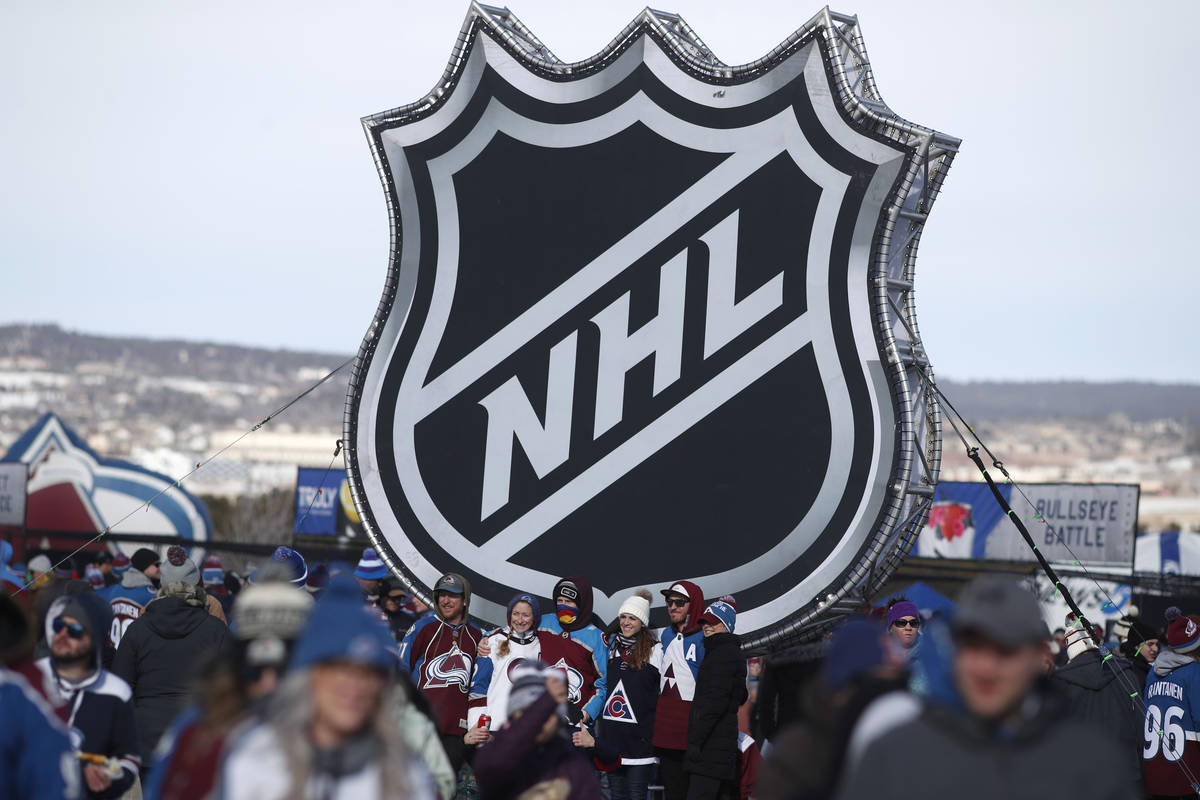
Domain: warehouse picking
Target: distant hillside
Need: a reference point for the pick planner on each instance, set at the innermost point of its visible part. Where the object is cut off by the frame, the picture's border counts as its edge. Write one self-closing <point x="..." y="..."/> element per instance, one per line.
<point x="249" y="381"/>
<point x="996" y="401"/>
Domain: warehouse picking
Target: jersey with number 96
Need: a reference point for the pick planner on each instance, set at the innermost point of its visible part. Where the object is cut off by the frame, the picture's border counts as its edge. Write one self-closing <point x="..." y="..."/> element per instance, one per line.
<point x="1171" y="732"/>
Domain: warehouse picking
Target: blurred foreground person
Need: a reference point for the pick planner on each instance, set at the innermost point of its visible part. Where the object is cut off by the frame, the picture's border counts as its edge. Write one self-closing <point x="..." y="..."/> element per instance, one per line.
<point x="331" y="729"/>
<point x="36" y="754"/>
<point x="98" y="703"/>
<point x="806" y="758"/>
<point x="1171" y="752"/>
<point x="530" y="756"/>
<point x="163" y="648"/>
<point x="1014" y="739"/>
<point x="267" y="618"/>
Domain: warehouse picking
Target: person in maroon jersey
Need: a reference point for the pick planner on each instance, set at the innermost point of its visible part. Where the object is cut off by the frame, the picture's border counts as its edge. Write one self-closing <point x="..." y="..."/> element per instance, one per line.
<point x="439" y="653"/>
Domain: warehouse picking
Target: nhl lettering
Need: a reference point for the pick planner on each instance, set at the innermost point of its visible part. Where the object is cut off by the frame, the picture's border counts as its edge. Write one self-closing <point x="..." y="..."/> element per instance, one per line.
<point x="511" y="415"/>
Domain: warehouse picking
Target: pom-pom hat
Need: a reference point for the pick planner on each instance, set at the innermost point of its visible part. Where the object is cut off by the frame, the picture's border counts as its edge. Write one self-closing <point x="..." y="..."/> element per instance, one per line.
<point x="637" y="605"/>
<point x="720" y="612"/>
<point x="1183" y="631"/>
<point x="178" y="568"/>
<point x="371" y="567"/>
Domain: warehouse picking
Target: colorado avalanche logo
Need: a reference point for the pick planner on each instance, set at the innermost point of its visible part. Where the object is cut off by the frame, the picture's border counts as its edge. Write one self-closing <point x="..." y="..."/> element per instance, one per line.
<point x="448" y="669"/>
<point x="618" y="708"/>
<point x="574" y="680"/>
<point x="515" y="664"/>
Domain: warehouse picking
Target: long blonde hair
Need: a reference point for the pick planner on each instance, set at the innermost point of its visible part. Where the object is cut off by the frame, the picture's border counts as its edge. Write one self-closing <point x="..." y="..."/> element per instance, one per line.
<point x="290" y="714"/>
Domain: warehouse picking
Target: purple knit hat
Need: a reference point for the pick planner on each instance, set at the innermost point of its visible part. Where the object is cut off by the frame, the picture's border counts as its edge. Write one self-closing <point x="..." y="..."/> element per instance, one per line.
<point x="905" y="608"/>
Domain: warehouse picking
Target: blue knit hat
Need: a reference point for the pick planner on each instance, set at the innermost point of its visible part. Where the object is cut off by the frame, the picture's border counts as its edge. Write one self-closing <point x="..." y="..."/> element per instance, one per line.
<point x="293" y="561"/>
<point x="720" y="611"/>
<point x="533" y="603"/>
<point x="371" y="566"/>
<point x="340" y="628"/>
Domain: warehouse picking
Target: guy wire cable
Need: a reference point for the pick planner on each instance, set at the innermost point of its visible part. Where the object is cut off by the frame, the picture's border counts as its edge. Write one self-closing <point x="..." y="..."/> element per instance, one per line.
<point x="202" y="463"/>
<point x="337" y="449"/>
<point x="1107" y="655"/>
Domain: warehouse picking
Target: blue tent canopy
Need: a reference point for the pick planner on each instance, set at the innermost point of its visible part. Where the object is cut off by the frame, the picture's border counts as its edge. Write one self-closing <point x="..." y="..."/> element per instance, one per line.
<point x="926" y="597"/>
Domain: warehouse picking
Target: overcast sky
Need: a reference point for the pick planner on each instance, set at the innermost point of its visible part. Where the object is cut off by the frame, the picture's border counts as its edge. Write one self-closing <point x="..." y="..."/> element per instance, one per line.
<point x="198" y="170"/>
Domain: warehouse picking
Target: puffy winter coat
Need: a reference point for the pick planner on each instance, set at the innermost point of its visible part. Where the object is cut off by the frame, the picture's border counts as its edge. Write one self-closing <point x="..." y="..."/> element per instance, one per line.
<point x="944" y="753"/>
<point x="1098" y="694"/>
<point x="712" y="724"/>
<point x="159" y="655"/>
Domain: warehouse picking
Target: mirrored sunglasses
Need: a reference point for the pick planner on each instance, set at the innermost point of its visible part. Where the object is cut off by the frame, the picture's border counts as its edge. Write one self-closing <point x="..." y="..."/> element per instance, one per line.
<point x="73" y="629"/>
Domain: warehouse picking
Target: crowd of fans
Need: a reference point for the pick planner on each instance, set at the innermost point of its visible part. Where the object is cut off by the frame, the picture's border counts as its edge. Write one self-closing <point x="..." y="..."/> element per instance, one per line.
<point x="163" y="678"/>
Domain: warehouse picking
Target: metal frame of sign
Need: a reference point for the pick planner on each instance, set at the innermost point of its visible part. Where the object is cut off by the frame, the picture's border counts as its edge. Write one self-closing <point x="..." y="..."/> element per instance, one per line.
<point x="893" y="253"/>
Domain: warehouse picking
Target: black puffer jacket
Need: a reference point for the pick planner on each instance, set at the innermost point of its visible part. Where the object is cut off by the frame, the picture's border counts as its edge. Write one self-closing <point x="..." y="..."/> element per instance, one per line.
<point x="159" y="656"/>
<point x="712" y="724"/>
<point x="1098" y="693"/>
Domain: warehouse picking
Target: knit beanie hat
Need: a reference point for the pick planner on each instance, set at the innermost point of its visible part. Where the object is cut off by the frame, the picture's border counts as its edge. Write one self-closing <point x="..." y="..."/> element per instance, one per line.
<point x="1078" y="638"/>
<point x="177" y="568"/>
<point x="528" y="684"/>
<point x="720" y="612"/>
<point x="637" y="605"/>
<point x="294" y="562"/>
<point x="267" y="618"/>
<point x="120" y="564"/>
<point x="371" y="567"/>
<point x="144" y="557"/>
<point x="94" y="576"/>
<point x="904" y="608"/>
<point x="212" y="574"/>
<point x="1183" y="632"/>
<point x="533" y="604"/>
<point x="339" y="628"/>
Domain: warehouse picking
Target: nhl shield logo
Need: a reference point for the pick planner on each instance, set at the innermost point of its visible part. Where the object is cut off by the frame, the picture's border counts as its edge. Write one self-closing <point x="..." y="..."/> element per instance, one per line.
<point x="628" y="326"/>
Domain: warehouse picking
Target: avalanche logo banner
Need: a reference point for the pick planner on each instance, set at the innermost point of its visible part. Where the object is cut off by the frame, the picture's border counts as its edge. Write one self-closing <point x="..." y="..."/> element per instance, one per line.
<point x="628" y="311"/>
<point x="73" y="490"/>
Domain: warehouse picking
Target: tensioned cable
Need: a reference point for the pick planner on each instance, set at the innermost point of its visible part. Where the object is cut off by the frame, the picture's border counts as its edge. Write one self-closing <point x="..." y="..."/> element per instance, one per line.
<point x="199" y="464"/>
<point x="1135" y="695"/>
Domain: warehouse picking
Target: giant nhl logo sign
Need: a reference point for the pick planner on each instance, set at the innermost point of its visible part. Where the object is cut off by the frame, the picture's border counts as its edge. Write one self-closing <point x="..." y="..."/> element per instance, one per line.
<point x="647" y="318"/>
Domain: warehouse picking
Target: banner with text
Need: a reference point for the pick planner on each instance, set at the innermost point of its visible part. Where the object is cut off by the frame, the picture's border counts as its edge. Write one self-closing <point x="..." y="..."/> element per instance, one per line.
<point x="317" y="497"/>
<point x="1093" y="523"/>
<point x="12" y="494"/>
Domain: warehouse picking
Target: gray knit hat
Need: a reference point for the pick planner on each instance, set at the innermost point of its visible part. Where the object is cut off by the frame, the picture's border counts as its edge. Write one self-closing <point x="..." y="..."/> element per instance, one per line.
<point x="178" y="568"/>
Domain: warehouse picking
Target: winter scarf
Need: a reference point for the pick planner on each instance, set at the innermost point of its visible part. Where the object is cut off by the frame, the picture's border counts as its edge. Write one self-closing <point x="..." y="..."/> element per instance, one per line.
<point x="192" y="595"/>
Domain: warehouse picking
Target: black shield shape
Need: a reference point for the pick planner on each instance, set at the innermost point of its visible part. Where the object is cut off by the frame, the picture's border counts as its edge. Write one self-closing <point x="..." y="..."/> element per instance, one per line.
<point x="629" y="330"/>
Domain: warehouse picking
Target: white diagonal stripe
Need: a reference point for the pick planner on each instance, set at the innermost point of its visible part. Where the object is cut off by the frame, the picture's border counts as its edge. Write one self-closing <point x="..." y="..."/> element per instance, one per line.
<point x="587" y="281"/>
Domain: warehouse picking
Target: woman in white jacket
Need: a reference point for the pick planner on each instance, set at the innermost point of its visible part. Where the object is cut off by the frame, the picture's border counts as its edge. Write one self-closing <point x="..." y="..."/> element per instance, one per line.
<point x="498" y="653"/>
<point x="331" y="730"/>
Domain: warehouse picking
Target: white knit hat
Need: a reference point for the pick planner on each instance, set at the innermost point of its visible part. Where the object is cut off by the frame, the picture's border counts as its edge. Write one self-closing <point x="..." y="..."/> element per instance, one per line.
<point x="637" y="605"/>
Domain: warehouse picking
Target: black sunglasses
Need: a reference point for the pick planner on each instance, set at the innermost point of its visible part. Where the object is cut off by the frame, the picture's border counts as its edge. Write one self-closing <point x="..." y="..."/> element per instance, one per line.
<point x="74" y="629"/>
<point x="907" y="623"/>
<point x="675" y="602"/>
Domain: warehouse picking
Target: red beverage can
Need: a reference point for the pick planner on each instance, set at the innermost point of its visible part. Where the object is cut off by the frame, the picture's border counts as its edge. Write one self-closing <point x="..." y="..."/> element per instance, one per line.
<point x="485" y="723"/>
